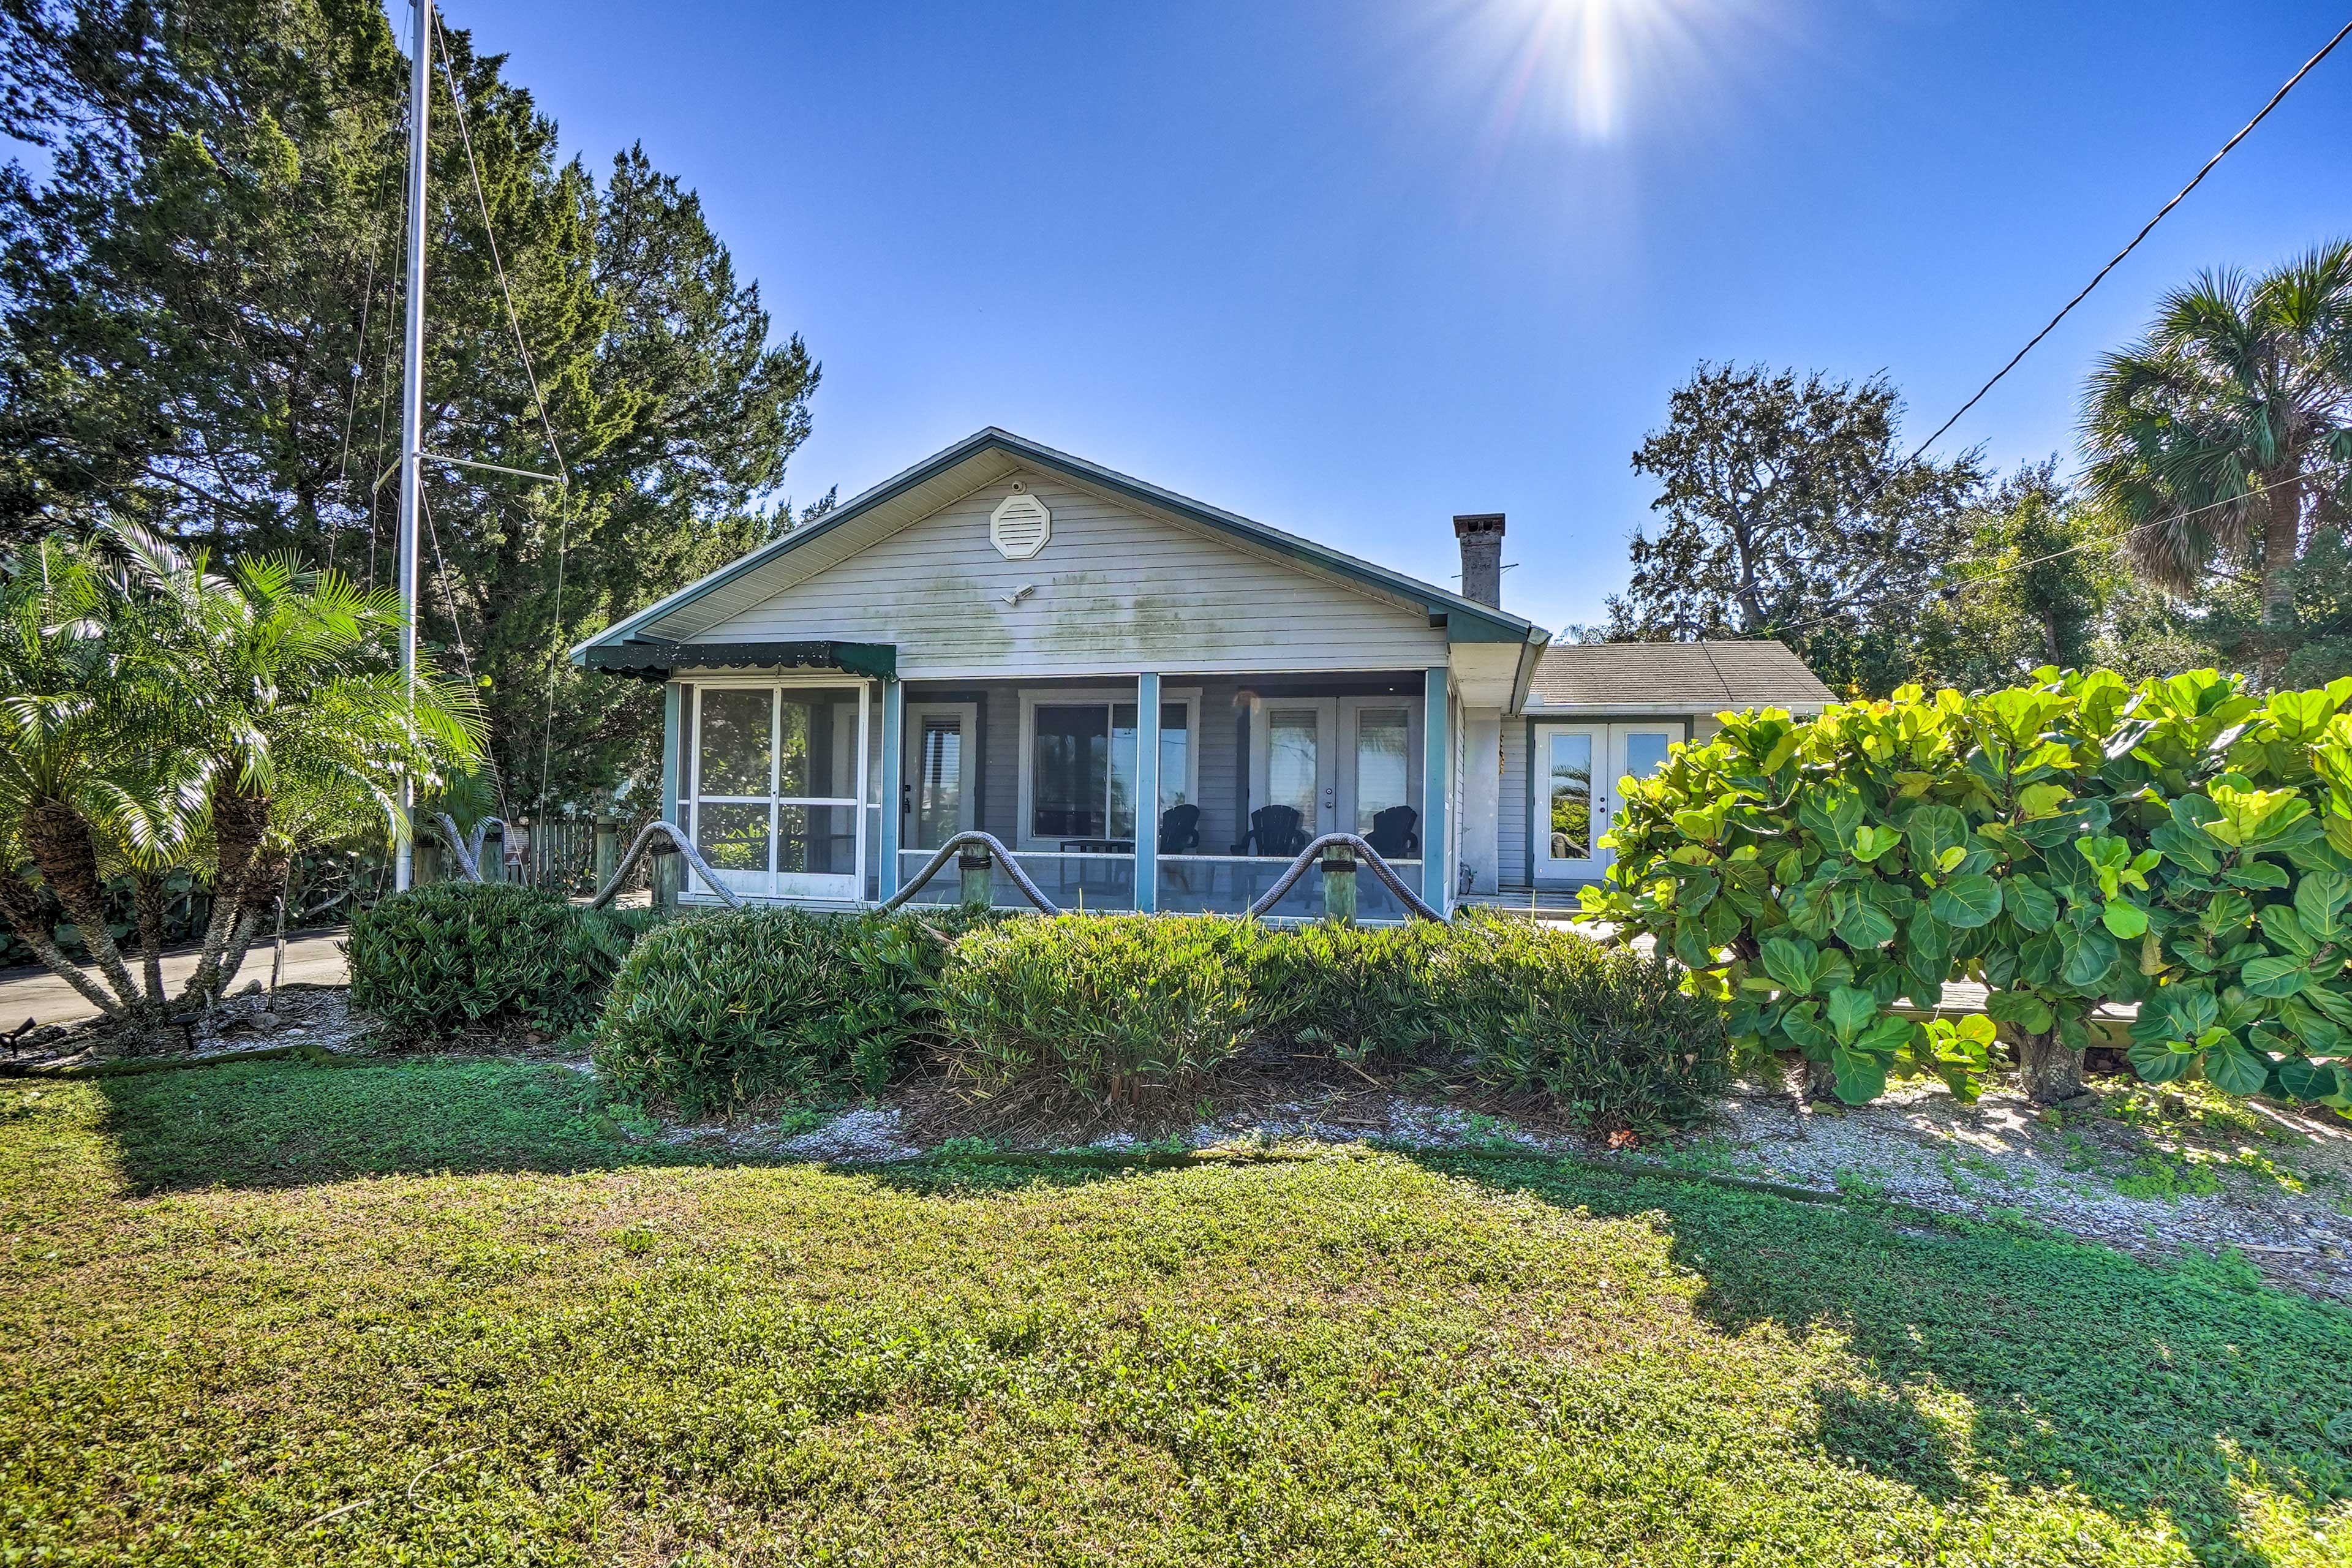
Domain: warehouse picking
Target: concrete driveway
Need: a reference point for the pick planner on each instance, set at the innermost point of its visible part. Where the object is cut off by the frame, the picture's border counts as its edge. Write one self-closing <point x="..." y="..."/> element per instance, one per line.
<point x="37" y="995"/>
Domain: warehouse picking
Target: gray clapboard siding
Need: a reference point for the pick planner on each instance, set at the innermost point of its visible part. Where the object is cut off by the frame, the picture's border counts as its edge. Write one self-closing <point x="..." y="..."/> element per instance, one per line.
<point x="1112" y="592"/>
<point x="1511" y="826"/>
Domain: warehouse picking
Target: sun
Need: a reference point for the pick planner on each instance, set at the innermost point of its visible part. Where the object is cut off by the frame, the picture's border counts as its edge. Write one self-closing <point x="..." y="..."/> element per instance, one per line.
<point x="1588" y="67"/>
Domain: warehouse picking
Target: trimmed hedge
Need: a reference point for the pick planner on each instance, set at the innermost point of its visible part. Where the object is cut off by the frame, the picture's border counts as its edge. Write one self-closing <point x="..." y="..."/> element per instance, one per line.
<point x="1132" y="1007"/>
<point x="765" y="1002"/>
<point x="462" y="957"/>
<point x="1611" y="1034"/>
<point x="1116" y="1007"/>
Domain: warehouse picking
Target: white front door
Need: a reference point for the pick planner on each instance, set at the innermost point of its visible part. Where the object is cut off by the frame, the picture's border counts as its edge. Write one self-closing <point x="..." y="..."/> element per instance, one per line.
<point x="1574" y="772"/>
<point x="1295" y="761"/>
<point x="942" y="772"/>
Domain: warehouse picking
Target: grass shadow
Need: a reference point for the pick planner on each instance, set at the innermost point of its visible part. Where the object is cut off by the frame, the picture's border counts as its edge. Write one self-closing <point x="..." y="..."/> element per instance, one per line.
<point x="1996" y="1357"/>
<point x="276" y="1124"/>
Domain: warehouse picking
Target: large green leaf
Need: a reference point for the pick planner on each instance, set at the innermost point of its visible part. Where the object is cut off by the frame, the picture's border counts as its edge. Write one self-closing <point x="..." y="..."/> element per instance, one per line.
<point x="1966" y="902"/>
<point x="1861" y="1075"/>
<point x="2233" y="1070"/>
<point x="2158" y="1063"/>
<point x="2186" y="846"/>
<point x="2124" y="918"/>
<point x="2276" y="975"/>
<point x="2020" y="1009"/>
<point x="1860" y="922"/>
<point x="2319" y="901"/>
<point x="1803" y="1025"/>
<point x="2088" y="953"/>
<point x="2306" y="1079"/>
<point x="2029" y="904"/>
<point x="1932" y="829"/>
<point x="1848" y="1010"/>
<point x="2284" y="928"/>
<point x="1794" y="962"/>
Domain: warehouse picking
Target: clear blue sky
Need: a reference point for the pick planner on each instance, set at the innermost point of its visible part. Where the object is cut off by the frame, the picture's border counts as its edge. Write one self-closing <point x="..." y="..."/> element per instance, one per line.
<point x="1351" y="266"/>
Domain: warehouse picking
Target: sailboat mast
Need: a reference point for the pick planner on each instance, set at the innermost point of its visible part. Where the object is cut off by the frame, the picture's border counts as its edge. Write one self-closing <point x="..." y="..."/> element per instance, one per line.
<point x="412" y="402"/>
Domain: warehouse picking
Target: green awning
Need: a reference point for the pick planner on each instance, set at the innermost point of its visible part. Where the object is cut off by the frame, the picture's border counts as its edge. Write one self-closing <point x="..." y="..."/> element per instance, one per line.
<point x="647" y="658"/>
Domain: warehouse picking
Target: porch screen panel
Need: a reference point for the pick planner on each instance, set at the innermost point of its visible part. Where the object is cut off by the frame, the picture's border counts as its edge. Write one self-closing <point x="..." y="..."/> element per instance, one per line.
<point x="776" y="785"/>
<point x="733" y="838"/>
<point x="1571" y="787"/>
<point x="734" y="764"/>
<point x="1383" y="741"/>
<point x="816" y="782"/>
<point x="1122" y="769"/>
<point x="737" y="731"/>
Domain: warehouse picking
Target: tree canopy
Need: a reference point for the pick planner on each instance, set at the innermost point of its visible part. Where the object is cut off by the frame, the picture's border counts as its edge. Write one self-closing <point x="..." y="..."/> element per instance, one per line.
<point x="199" y="314"/>
<point x="1790" y="510"/>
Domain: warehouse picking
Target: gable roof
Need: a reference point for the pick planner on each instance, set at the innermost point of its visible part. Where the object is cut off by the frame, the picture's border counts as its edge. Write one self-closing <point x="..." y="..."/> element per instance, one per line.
<point x="1700" y="676"/>
<point x="979" y="459"/>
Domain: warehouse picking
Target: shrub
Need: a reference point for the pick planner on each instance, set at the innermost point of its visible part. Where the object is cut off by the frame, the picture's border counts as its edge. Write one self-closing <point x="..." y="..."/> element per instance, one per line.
<point x="765" y="1002"/>
<point x="1117" y="1007"/>
<point x="1363" y="992"/>
<point x="468" y="955"/>
<point x="1125" y="1008"/>
<point x="1613" y="1037"/>
<point x="2179" y="844"/>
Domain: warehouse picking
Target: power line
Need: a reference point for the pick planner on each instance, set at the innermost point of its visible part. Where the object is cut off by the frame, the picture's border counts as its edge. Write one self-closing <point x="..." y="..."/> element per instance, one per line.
<point x="2145" y="229"/>
<point x="1953" y="590"/>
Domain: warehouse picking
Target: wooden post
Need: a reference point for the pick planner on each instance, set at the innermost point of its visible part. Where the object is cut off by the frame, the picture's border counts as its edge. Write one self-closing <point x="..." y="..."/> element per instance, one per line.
<point x="608" y="845"/>
<point x="978" y="869"/>
<point x="1340" y="885"/>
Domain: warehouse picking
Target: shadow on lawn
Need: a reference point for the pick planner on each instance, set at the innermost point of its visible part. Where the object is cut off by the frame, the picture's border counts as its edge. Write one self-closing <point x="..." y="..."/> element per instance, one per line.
<point x="274" y="1124"/>
<point x="2146" y="1389"/>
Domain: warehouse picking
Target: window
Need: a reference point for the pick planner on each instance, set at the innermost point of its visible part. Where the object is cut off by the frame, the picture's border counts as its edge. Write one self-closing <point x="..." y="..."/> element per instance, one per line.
<point x="1082" y="768"/>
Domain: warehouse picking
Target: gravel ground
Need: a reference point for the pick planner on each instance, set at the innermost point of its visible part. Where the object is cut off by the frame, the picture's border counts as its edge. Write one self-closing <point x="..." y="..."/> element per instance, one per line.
<point x="2148" y="1171"/>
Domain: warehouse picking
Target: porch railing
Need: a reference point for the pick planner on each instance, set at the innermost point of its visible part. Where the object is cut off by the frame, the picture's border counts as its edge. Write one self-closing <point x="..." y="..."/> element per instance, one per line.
<point x="1299" y="888"/>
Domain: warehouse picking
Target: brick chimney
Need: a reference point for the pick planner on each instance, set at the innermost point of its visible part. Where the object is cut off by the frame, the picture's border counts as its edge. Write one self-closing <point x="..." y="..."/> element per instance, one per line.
<point x="1480" y="534"/>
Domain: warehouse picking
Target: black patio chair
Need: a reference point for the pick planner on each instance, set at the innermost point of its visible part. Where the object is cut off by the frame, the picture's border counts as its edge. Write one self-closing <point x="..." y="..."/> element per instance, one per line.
<point x="1275" y="830"/>
<point x="1396" y="833"/>
<point x="1180" y="829"/>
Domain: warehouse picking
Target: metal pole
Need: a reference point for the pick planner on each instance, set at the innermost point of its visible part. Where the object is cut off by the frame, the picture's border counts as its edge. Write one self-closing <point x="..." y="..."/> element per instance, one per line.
<point x="412" y="401"/>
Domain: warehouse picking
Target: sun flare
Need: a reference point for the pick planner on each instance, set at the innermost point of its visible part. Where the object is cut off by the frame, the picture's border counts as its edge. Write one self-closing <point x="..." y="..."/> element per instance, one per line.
<point x="1587" y="69"/>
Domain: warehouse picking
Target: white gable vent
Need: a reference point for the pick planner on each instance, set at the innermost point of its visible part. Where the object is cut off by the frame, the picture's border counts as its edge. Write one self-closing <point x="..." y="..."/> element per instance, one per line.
<point x="1020" y="526"/>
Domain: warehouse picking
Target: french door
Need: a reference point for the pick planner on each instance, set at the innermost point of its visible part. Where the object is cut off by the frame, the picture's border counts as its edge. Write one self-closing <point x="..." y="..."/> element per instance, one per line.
<point x="778" y="788"/>
<point x="1295" y="760"/>
<point x="1573" y="774"/>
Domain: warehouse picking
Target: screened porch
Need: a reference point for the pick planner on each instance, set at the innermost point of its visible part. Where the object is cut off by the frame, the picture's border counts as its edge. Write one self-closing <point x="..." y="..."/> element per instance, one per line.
<point x="782" y="781"/>
<point x="1247" y="773"/>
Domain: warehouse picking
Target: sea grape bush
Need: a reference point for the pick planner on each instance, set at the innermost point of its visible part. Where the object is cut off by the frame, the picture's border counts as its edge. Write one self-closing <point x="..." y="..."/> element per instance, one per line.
<point x="2181" y="844"/>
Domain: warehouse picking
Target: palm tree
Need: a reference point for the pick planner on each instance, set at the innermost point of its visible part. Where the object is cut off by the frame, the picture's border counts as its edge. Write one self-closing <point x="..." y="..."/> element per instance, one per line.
<point x="70" y="714"/>
<point x="157" y="713"/>
<point x="2227" y="432"/>
<point x="296" y="724"/>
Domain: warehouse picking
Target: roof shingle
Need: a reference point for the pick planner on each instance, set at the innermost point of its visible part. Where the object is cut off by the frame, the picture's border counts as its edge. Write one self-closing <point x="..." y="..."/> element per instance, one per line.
<point x="1706" y="676"/>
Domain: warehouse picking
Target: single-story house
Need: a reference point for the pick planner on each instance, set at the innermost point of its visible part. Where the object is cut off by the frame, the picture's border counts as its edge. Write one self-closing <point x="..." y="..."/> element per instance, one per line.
<point x="975" y="643"/>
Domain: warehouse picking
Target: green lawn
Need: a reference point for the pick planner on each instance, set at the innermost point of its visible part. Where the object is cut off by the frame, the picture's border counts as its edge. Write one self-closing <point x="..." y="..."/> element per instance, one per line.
<point x="438" y="1313"/>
